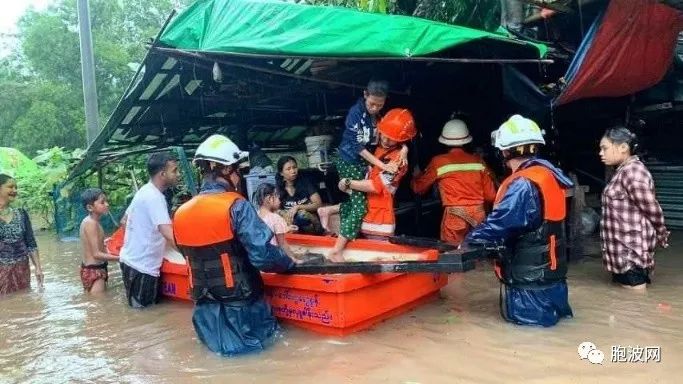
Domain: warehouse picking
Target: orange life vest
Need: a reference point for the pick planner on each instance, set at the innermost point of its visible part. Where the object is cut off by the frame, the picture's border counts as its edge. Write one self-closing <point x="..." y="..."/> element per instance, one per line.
<point x="218" y="265"/>
<point x="538" y="256"/>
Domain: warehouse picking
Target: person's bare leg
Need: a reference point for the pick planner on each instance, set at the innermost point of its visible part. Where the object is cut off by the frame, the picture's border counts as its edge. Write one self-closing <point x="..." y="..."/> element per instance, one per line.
<point x="98" y="287"/>
<point x="337" y="253"/>
<point x="324" y="213"/>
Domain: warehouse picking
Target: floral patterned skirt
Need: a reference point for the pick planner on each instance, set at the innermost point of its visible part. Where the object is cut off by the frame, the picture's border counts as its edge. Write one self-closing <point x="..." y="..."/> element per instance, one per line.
<point x="15" y="277"/>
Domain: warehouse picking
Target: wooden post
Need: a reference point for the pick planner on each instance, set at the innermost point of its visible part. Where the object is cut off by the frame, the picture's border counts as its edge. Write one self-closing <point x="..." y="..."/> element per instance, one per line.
<point x="576" y="207"/>
<point x="100" y="177"/>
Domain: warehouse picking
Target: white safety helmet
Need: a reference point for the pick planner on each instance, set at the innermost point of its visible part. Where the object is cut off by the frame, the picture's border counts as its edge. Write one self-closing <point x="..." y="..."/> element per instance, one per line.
<point x="219" y="149"/>
<point x="455" y="133"/>
<point x="515" y="132"/>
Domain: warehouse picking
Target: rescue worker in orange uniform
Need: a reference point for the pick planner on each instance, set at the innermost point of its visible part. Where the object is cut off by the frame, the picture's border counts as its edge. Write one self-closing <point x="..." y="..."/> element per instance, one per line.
<point x="396" y="128"/>
<point x="464" y="181"/>
<point x="226" y="245"/>
<point x="528" y="218"/>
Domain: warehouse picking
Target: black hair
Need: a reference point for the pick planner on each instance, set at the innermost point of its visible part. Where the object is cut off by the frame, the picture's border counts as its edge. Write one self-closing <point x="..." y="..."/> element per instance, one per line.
<point x="378" y="88"/>
<point x="279" y="180"/>
<point x="524" y="151"/>
<point x="262" y="192"/>
<point x="157" y="162"/>
<point x="90" y="196"/>
<point x="5" y="178"/>
<point x="205" y="168"/>
<point x="621" y="135"/>
<point x="216" y="173"/>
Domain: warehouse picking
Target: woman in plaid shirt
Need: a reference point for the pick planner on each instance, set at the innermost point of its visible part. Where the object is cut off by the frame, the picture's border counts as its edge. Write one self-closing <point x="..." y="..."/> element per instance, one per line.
<point x="632" y="222"/>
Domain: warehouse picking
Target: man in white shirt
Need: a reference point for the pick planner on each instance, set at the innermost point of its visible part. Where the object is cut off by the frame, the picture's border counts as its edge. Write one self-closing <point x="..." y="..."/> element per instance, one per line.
<point x="148" y="230"/>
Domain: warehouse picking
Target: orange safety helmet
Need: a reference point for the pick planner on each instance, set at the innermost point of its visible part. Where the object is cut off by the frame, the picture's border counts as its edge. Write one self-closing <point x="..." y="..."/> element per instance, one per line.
<point x="398" y="125"/>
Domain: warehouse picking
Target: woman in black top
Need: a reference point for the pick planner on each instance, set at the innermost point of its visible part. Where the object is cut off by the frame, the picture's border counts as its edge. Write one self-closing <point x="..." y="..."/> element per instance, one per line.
<point x="300" y="199"/>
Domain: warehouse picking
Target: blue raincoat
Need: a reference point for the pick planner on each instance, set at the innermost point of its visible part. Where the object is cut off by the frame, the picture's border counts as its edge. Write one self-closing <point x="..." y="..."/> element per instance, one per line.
<point x="242" y="327"/>
<point x="519" y="211"/>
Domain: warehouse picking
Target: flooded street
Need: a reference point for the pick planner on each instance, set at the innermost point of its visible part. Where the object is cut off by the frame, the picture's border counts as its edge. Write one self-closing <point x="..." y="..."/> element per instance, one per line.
<point x="61" y="336"/>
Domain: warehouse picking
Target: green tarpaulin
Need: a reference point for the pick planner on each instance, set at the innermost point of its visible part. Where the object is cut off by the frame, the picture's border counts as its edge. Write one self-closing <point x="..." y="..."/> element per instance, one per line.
<point x="281" y="28"/>
<point x="175" y="100"/>
<point x="15" y="163"/>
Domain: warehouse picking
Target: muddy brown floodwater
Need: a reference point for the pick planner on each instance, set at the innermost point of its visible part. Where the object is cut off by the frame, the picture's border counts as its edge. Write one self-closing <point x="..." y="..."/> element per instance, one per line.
<point x="61" y="336"/>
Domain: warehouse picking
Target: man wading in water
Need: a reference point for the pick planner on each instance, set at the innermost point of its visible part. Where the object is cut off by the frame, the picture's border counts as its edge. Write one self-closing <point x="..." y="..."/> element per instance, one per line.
<point x="528" y="218"/>
<point x="226" y="244"/>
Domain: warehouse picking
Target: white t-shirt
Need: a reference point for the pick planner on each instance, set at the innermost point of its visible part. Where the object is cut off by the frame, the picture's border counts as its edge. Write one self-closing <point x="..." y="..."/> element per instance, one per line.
<point x="143" y="245"/>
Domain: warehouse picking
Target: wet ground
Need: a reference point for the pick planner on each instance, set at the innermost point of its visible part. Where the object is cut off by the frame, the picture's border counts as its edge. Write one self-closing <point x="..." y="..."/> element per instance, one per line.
<point x="62" y="336"/>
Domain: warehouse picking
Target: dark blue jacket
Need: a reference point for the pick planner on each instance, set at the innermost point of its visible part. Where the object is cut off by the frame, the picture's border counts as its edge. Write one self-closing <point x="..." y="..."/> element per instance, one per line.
<point x="253" y="234"/>
<point x="235" y="329"/>
<point x="359" y="130"/>
<point x="519" y="210"/>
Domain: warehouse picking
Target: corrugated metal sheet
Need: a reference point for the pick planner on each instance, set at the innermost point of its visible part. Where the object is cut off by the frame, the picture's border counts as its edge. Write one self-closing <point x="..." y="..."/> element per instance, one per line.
<point x="669" y="187"/>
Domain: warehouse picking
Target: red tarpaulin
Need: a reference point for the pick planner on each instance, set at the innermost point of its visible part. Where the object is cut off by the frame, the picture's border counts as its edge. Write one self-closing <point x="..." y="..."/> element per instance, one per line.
<point x="631" y="50"/>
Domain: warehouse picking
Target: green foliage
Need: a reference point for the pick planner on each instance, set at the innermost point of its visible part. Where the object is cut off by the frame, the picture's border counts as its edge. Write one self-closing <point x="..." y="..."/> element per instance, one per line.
<point x="479" y="14"/>
<point x="35" y="188"/>
<point x="14" y="163"/>
<point x="121" y="178"/>
<point x="376" y="6"/>
<point x="119" y="181"/>
<point x="50" y="116"/>
<point x="42" y="98"/>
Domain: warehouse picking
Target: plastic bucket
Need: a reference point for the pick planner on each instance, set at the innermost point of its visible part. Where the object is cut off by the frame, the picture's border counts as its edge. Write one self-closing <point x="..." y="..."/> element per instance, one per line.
<point x="317" y="150"/>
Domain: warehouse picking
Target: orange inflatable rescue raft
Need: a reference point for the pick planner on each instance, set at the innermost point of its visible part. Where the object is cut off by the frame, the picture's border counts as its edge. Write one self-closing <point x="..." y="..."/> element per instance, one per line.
<point x="333" y="304"/>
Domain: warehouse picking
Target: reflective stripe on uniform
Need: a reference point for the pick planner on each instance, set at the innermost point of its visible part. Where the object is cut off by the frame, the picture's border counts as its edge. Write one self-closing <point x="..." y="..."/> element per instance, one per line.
<point x="466" y="167"/>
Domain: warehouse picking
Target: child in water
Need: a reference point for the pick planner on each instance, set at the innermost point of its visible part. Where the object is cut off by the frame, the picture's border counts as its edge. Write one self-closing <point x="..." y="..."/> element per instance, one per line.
<point x="94" y="274"/>
<point x="268" y="201"/>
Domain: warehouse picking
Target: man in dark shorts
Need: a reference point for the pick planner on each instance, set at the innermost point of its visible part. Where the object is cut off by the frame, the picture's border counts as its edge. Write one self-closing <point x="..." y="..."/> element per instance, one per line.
<point x="141" y="289"/>
<point x="148" y="231"/>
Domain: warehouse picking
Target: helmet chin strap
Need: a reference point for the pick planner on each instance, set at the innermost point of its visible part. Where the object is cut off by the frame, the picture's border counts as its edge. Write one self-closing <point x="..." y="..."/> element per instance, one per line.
<point x="503" y="155"/>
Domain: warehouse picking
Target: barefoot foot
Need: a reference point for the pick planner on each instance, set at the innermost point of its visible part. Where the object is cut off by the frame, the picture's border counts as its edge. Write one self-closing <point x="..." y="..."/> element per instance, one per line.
<point x="335" y="256"/>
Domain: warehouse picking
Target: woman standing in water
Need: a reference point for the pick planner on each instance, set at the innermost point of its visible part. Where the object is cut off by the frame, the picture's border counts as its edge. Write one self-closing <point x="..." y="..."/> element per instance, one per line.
<point x="17" y="243"/>
<point x="632" y="222"/>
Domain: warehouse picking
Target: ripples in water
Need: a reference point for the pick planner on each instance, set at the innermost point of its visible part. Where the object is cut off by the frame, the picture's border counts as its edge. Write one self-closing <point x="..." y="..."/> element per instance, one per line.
<point x="62" y="336"/>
